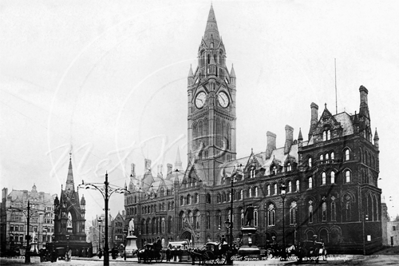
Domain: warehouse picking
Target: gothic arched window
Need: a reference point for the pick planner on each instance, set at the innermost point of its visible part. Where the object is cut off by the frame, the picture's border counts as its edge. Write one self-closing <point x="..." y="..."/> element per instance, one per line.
<point x="324" y="211"/>
<point x="293" y="212"/>
<point x="332" y="177"/>
<point x="347" y="176"/>
<point x="271" y="215"/>
<point x="310" y="211"/>
<point x="333" y="209"/>
<point x="69" y="222"/>
<point x="347" y="154"/>
<point x="348" y="208"/>
<point x="323" y="178"/>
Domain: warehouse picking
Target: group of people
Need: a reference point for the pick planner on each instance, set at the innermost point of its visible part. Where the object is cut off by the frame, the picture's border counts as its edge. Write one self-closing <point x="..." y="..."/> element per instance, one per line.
<point x="114" y="253"/>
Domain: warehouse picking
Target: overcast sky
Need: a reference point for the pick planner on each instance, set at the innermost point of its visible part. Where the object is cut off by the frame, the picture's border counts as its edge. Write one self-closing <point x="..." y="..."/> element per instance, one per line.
<point x="110" y="79"/>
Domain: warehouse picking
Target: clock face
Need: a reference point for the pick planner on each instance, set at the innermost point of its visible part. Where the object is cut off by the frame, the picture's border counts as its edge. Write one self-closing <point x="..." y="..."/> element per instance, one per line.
<point x="223" y="99"/>
<point x="200" y="99"/>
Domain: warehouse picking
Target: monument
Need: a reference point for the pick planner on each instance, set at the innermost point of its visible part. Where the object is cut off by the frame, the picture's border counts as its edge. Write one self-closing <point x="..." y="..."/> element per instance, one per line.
<point x="131" y="241"/>
<point x="248" y="248"/>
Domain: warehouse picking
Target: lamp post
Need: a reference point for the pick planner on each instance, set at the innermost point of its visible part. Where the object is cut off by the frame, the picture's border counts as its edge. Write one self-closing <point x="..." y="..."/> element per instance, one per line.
<point x="283" y="191"/>
<point x="67" y="250"/>
<point x="229" y="223"/>
<point x="365" y="218"/>
<point x="99" y="233"/>
<point x="106" y="191"/>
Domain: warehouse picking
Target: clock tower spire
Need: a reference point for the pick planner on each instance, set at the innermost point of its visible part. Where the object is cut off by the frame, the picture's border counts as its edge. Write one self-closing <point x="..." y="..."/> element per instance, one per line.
<point x="211" y="94"/>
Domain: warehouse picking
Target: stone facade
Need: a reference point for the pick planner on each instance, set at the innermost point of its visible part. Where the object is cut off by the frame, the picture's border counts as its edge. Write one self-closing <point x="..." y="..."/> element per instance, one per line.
<point x="331" y="177"/>
<point x="393" y="233"/>
<point x="14" y="224"/>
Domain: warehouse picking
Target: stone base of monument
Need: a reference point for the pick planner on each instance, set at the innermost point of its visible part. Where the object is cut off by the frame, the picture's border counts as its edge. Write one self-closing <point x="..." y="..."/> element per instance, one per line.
<point x="131" y="246"/>
<point x="248" y="248"/>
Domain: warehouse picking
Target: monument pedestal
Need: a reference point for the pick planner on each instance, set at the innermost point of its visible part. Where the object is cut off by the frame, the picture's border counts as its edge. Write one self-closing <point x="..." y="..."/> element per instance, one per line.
<point x="248" y="249"/>
<point x="131" y="246"/>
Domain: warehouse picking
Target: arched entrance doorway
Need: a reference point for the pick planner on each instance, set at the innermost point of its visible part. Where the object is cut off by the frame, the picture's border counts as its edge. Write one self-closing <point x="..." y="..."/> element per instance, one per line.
<point x="187" y="236"/>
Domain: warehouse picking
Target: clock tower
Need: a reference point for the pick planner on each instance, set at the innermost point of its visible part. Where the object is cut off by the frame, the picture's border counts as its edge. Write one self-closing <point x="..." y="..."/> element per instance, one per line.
<point x="211" y="94"/>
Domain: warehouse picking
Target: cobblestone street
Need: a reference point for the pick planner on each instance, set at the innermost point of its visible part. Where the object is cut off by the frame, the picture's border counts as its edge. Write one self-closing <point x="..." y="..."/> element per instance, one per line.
<point x="332" y="260"/>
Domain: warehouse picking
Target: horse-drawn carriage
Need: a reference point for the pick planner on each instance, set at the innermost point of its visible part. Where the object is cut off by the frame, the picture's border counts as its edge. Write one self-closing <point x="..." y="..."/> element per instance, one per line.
<point x="211" y="253"/>
<point x="150" y="252"/>
<point x="311" y="251"/>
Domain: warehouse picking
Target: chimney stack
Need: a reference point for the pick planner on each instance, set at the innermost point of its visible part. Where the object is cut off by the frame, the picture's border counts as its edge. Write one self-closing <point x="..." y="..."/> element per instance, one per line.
<point x="289" y="138"/>
<point x="133" y="171"/>
<point x="313" y="118"/>
<point x="147" y="165"/>
<point x="364" y="107"/>
<point x="271" y="143"/>
<point x="169" y="168"/>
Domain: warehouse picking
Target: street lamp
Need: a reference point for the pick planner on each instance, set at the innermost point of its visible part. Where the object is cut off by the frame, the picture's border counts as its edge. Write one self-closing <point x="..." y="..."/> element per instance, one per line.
<point x="229" y="223"/>
<point x="67" y="250"/>
<point x="28" y="214"/>
<point x="99" y="233"/>
<point x="365" y="218"/>
<point x="106" y="191"/>
<point x="283" y="191"/>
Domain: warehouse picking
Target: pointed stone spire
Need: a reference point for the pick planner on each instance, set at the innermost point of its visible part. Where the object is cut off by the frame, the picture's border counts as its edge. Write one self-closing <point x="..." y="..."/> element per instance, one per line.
<point x="300" y="138"/>
<point x="211" y="32"/>
<point x="190" y="72"/>
<point x="376" y="139"/>
<point x="70" y="185"/>
<point x="232" y="72"/>
<point x="178" y="163"/>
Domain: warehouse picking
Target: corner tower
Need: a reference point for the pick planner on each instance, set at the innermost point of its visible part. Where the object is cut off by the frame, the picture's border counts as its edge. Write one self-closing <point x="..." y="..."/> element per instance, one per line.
<point x="211" y="94"/>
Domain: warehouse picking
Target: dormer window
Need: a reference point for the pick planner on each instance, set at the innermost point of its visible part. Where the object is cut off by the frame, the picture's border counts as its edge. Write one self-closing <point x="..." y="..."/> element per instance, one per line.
<point x="288" y="167"/>
<point x="326" y="135"/>
<point x="274" y="170"/>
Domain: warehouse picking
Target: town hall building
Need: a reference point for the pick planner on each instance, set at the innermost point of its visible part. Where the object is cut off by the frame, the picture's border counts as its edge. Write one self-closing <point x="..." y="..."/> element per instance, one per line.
<point x="322" y="185"/>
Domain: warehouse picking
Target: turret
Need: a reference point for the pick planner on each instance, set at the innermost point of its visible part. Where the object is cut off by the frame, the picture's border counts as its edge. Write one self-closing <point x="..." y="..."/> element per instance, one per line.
<point x="83" y="204"/>
<point x="190" y="78"/>
<point x="232" y="76"/>
<point x="300" y="138"/>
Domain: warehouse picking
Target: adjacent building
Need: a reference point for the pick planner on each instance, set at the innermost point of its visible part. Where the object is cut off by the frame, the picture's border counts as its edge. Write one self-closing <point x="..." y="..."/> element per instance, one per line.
<point x="118" y="231"/>
<point x="330" y="175"/>
<point x="14" y="222"/>
<point x="393" y="233"/>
